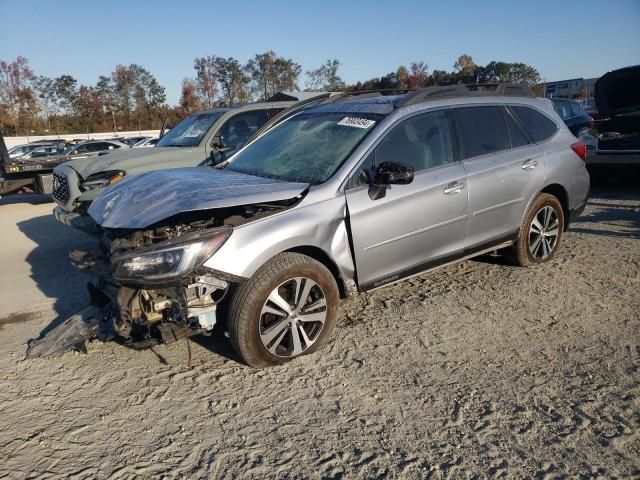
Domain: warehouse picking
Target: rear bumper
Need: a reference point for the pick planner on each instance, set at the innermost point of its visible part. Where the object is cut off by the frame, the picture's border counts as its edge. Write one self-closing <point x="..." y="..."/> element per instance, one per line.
<point x="75" y="220"/>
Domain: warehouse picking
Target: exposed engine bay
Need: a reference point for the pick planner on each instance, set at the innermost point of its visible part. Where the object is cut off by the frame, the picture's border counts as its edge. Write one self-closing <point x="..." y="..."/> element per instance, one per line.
<point x="150" y="286"/>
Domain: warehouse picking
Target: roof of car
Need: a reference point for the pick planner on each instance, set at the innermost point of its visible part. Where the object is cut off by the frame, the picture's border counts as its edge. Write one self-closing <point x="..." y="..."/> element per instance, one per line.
<point x="381" y="105"/>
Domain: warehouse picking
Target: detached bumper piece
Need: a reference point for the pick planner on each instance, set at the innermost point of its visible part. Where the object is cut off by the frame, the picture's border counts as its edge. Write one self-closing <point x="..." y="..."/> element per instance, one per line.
<point x="73" y="333"/>
<point x="76" y="220"/>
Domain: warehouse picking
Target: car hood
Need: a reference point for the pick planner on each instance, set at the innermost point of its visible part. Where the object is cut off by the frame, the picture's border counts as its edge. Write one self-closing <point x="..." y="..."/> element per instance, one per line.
<point x="617" y="91"/>
<point x="144" y="199"/>
<point x="126" y="159"/>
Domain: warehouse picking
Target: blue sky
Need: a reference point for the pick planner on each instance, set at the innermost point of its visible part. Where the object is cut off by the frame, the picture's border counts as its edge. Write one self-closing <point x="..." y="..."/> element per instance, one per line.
<point x="561" y="38"/>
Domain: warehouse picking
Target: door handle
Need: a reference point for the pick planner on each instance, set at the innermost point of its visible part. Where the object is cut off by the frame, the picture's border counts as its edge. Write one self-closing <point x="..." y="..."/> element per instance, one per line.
<point x="453" y="187"/>
<point x="529" y="164"/>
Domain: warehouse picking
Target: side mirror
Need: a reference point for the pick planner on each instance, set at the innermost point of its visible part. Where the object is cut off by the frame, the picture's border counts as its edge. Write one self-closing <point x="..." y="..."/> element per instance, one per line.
<point x="389" y="173"/>
<point x="392" y="173"/>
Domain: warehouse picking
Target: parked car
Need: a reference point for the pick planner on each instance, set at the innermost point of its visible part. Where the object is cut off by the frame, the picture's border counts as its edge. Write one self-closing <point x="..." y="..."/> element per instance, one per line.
<point x="574" y="116"/>
<point x="37" y="172"/>
<point x="46" y="150"/>
<point x="348" y="196"/>
<point x="618" y="100"/>
<point x="147" y="142"/>
<point x="20" y="150"/>
<point x="131" y="141"/>
<point x="207" y="137"/>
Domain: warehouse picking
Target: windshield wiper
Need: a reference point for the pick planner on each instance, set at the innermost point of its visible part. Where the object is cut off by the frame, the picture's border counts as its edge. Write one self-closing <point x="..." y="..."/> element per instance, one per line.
<point x="171" y="145"/>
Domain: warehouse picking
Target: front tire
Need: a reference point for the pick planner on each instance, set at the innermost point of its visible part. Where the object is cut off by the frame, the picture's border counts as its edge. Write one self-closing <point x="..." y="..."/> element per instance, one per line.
<point x="287" y="309"/>
<point x="541" y="231"/>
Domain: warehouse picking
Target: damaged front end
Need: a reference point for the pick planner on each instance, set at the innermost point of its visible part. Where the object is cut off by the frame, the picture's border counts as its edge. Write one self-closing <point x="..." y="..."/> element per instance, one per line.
<point x="150" y="286"/>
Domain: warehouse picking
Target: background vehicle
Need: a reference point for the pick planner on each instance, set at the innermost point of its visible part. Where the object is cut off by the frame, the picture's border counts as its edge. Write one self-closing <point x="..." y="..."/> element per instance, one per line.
<point x="35" y="172"/>
<point x="618" y="100"/>
<point x="20" y="150"/>
<point x="351" y="195"/>
<point x="205" y="138"/>
<point x="146" y="142"/>
<point x="574" y="115"/>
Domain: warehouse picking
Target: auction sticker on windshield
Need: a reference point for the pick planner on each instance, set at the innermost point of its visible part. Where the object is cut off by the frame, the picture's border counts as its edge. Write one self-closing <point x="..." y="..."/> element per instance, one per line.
<point x="356" y="122"/>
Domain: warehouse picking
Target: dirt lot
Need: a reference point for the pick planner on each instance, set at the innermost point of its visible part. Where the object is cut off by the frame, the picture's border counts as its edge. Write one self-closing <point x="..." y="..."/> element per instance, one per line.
<point x="480" y="370"/>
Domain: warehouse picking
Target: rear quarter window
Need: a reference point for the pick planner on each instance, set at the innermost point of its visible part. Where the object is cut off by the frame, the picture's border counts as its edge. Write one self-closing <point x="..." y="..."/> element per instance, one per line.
<point x="540" y="127"/>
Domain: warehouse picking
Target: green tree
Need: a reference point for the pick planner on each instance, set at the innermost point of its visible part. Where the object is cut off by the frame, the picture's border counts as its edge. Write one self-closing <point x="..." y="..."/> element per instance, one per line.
<point x="16" y="94"/>
<point x="270" y="73"/>
<point x="233" y="80"/>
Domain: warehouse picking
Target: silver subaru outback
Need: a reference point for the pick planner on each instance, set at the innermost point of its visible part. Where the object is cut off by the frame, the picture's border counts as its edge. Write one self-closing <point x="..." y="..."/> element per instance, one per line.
<point x="358" y="193"/>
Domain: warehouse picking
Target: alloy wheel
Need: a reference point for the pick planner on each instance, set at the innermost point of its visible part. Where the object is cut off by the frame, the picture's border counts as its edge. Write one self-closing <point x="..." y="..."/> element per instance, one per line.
<point x="544" y="233"/>
<point x="292" y="317"/>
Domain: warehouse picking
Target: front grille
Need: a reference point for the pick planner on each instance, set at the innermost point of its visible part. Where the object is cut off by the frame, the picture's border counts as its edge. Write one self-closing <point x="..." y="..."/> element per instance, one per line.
<point x="60" y="188"/>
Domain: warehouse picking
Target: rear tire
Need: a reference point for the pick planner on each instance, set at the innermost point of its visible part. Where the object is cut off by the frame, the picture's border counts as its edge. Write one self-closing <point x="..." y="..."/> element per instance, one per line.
<point x="540" y="233"/>
<point x="287" y="309"/>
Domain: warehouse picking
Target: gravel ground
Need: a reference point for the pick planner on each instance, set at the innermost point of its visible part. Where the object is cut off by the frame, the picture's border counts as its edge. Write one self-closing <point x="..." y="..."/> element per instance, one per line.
<point x="479" y="370"/>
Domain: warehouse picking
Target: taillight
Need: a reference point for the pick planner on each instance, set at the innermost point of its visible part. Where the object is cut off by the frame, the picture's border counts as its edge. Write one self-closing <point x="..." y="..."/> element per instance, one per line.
<point x="581" y="150"/>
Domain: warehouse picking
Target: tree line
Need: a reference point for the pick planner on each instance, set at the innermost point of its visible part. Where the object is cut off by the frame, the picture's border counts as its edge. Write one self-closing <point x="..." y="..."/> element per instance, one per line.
<point x="131" y="98"/>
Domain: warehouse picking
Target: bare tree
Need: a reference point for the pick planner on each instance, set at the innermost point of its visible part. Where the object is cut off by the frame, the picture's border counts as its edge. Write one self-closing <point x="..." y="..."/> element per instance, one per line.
<point x="207" y="79"/>
<point x="326" y="77"/>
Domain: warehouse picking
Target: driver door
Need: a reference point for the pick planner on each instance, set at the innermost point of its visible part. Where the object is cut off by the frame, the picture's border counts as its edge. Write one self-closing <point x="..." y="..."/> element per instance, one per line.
<point x="414" y="226"/>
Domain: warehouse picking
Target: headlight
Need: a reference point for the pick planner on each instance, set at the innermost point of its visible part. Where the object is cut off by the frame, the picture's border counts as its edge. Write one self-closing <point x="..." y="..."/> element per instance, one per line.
<point x="102" y="179"/>
<point x="171" y="258"/>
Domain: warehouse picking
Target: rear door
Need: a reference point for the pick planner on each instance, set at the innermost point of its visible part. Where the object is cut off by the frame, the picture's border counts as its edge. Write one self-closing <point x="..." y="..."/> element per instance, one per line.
<point x="504" y="168"/>
<point x="413" y="226"/>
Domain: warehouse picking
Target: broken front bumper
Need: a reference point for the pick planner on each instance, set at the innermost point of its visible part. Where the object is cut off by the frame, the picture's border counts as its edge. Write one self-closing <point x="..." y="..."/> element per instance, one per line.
<point x="135" y="317"/>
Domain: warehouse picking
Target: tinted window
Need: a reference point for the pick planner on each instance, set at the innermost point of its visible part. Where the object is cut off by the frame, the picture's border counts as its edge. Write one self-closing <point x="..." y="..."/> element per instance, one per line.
<point x="423" y="142"/>
<point x="481" y="130"/>
<point x="362" y="175"/>
<point x="539" y="127"/>
<point x="237" y="130"/>
<point x="517" y="136"/>
<point x="563" y="109"/>
<point x="576" y="109"/>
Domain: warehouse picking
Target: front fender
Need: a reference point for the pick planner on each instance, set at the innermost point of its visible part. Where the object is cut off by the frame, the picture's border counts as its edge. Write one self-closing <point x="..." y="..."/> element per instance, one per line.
<point x="320" y="225"/>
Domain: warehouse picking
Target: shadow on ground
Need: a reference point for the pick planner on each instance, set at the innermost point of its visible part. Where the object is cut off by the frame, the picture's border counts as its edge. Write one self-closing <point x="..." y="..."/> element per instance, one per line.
<point x="30" y="198"/>
<point x="50" y="267"/>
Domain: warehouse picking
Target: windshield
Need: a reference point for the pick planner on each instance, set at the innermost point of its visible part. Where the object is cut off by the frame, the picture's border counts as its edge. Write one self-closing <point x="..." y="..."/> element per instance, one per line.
<point x="308" y="147"/>
<point x="190" y="131"/>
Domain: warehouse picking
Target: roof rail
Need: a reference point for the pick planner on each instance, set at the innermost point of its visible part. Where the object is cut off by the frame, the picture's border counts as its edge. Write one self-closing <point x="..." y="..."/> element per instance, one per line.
<point x="468" y="90"/>
<point x="366" y="93"/>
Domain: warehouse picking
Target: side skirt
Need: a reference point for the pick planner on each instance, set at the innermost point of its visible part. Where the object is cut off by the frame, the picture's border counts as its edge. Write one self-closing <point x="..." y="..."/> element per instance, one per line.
<point x="467" y="254"/>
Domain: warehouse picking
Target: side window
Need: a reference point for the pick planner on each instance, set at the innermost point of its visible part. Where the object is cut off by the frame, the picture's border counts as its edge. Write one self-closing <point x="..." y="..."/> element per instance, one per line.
<point x="363" y="174"/>
<point x="423" y="141"/>
<point x="237" y="130"/>
<point x="540" y="127"/>
<point x="576" y="109"/>
<point x="97" y="147"/>
<point x="563" y="109"/>
<point x="80" y="149"/>
<point x="481" y="130"/>
<point x="517" y="136"/>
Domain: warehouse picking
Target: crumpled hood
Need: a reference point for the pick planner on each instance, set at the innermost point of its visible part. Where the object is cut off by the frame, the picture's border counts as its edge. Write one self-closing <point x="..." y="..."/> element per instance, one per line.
<point x="618" y="90"/>
<point x="142" y="200"/>
<point x="131" y="159"/>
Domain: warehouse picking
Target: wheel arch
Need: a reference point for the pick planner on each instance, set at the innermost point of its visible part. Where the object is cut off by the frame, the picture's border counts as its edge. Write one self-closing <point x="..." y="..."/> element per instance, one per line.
<point x="323" y="257"/>
<point x="561" y="194"/>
